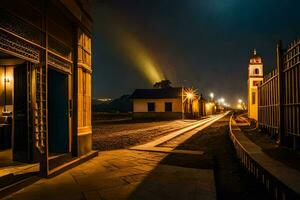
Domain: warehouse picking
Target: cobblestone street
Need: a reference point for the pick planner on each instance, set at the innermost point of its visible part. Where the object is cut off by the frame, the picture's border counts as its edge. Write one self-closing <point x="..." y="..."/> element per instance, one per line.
<point x="118" y="136"/>
<point x="132" y="174"/>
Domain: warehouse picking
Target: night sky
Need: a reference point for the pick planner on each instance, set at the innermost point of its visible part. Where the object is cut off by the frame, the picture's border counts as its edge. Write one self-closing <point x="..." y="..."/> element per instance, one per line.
<point x="201" y="43"/>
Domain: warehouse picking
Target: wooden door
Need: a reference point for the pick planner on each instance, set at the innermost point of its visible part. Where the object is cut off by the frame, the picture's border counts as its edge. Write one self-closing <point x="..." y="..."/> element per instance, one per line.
<point x="22" y="139"/>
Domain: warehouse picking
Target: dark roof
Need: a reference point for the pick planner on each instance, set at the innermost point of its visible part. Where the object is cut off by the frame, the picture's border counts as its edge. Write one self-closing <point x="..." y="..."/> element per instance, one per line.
<point x="255" y="56"/>
<point x="167" y="93"/>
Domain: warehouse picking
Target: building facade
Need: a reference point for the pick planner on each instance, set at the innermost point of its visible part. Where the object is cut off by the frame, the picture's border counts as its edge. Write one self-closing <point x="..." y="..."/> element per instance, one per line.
<point x="45" y="69"/>
<point x="164" y="104"/>
<point x="255" y="76"/>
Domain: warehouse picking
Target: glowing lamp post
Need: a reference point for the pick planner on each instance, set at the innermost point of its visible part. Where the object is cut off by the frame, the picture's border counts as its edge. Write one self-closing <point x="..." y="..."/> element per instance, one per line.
<point x="221" y="101"/>
<point x="212" y="96"/>
<point x="241" y="104"/>
<point x="188" y="96"/>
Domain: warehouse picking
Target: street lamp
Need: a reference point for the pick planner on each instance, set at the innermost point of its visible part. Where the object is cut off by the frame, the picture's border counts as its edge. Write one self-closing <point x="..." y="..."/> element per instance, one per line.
<point x="212" y="95"/>
<point x="240" y="104"/>
<point x="190" y="95"/>
<point x="221" y="100"/>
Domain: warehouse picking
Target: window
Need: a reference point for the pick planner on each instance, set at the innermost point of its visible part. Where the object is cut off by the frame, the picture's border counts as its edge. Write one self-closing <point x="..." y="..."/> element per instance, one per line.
<point x="255" y="83"/>
<point x="168" y="107"/>
<point x="151" y="107"/>
<point x="253" y="97"/>
<point x="256" y="71"/>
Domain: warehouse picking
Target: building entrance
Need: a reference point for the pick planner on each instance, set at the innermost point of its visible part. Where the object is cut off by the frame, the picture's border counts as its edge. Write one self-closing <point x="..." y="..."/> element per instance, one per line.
<point x="16" y="138"/>
<point x="58" y="114"/>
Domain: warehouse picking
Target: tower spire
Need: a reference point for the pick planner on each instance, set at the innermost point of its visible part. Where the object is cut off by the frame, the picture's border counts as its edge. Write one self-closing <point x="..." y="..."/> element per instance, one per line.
<point x="254" y="52"/>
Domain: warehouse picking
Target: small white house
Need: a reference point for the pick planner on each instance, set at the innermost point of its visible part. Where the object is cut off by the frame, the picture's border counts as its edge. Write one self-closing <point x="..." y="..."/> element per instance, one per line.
<point x="162" y="104"/>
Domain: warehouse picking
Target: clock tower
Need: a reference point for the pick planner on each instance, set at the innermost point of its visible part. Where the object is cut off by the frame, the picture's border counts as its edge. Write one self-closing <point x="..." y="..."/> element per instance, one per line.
<point x="255" y="75"/>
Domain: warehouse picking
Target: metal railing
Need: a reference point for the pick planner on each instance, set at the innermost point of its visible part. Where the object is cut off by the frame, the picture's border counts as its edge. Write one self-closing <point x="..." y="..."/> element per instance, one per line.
<point x="268" y="101"/>
<point x="274" y="186"/>
<point x="279" y="97"/>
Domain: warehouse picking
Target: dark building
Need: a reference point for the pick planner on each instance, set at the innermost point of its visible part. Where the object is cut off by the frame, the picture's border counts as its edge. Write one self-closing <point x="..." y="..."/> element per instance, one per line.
<point x="45" y="89"/>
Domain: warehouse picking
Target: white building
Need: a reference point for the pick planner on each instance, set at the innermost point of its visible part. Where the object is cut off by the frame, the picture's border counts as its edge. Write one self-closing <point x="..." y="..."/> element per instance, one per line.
<point x="163" y="104"/>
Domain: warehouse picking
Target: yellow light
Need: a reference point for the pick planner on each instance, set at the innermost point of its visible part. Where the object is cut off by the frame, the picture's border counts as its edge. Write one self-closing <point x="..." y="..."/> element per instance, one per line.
<point x="7" y="79"/>
<point x="190" y="95"/>
<point x="211" y="95"/>
<point x="240" y="101"/>
<point x="208" y="105"/>
<point x="131" y="47"/>
<point x="221" y="100"/>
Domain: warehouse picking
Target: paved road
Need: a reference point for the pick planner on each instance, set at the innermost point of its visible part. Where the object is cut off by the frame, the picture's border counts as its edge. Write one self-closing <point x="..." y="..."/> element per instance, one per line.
<point x="119" y="136"/>
<point x="143" y="174"/>
<point x="126" y="174"/>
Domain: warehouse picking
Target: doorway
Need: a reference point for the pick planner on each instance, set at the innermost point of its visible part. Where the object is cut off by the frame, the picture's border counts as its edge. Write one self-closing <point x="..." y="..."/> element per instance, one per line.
<point x="58" y="128"/>
<point x="22" y="142"/>
<point x="16" y="139"/>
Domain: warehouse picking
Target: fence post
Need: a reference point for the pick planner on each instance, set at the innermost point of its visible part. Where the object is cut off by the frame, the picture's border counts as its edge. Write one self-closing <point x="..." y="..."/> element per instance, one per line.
<point x="281" y="91"/>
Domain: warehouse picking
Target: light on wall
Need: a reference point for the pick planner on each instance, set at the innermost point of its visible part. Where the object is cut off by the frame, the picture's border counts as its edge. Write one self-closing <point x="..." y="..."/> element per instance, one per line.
<point x="7" y="79"/>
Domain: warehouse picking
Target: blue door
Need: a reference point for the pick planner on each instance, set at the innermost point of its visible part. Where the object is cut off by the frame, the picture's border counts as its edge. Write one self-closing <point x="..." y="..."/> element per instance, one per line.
<point x="58" y="136"/>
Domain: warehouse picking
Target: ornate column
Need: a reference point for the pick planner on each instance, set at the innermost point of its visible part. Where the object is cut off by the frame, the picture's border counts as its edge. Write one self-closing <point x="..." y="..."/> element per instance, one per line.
<point x="83" y="95"/>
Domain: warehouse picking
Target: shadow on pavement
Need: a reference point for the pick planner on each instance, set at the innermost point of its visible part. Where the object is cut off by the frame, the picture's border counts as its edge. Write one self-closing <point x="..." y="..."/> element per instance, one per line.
<point x="185" y="176"/>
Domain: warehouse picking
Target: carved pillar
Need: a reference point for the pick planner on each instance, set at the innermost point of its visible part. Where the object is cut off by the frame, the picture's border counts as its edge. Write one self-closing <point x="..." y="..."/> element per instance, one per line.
<point x="41" y="103"/>
<point x="83" y="94"/>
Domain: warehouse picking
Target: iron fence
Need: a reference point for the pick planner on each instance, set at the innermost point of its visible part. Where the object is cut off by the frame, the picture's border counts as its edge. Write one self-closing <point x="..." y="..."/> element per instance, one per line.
<point x="268" y="109"/>
<point x="279" y="97"/>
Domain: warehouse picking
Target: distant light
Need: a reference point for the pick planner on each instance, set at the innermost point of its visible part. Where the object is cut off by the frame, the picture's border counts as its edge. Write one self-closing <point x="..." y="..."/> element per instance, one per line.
<point x="221" y="100"/>
<point x="211" y="95"/>
<point x="240" y="101"/>
<point x="104" y="99"/>
<point x="208" y="105"/>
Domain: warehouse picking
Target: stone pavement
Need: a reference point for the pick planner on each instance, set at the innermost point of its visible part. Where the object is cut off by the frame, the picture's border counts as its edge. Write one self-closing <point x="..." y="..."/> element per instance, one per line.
<point x="124" y="174"/>
<point x="7" y="166"/>
<point x="142" y="173"/>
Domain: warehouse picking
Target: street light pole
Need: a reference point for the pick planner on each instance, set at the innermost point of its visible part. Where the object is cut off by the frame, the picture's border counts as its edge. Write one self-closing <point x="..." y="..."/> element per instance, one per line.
<point x="212" y="95"/>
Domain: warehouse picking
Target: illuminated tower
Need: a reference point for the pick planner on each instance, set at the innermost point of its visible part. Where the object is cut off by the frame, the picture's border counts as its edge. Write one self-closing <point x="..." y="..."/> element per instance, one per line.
<point x="255" y="75"/>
